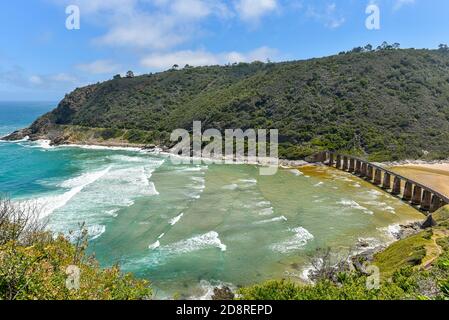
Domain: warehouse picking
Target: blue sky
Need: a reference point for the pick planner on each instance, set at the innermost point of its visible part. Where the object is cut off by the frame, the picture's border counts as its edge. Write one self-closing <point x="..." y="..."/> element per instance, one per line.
<point x="40" y="59"/>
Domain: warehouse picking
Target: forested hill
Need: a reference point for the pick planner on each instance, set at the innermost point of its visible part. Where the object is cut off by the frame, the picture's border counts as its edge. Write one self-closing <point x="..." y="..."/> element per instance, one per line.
<point x="388" y="104"/>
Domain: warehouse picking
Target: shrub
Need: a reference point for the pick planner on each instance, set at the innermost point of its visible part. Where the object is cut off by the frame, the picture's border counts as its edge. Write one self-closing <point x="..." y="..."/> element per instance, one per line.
<point x="34" y="264"/>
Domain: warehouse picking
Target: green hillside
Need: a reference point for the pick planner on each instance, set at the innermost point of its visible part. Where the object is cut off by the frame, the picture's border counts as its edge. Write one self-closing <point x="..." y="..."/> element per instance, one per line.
<point x="386" y="104"/>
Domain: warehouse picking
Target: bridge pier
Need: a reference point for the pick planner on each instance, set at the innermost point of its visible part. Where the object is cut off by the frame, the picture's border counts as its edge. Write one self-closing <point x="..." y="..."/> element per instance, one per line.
<point x="331" y="160"/>
<point x="417" y="195"/>
<point x="426" y="200"/>
<point x="364" y="172"/>
<point x="408" y="191"/>
<point x="345" y="163"/>
<point x="351" y="165"/>
<point x="387" y="181"/>
<point x="370" y="174"/>
<point x="396" y="186"/>
<point x="338" y="165"/>
<point x="378" y="177"/>
<point x="358" y="167"/>
<point x="436" y="204"/>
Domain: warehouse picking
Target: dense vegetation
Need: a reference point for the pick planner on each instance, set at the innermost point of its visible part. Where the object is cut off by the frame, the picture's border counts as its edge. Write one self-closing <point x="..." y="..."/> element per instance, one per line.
<point x="413" y="268"/>
<point x="36" y="265"/>
<point x="386" y="103"/>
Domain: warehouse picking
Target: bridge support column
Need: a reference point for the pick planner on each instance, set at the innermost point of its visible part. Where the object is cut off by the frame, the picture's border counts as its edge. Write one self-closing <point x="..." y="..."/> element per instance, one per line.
<point x="378" y="177"/>
<point x="417" y="195"/>
<point x="396" y="186"/>
<point x="323" y="156"/>
<point x="338" y="165"/>
<point x="426" y="200"/>
<point x="345" y="163"/>
<point x="358" y="167"/>
<point x="370" y="173"/>
<point x="387" y="181"/>
<point x="331" y="160"/>
<point x="408" y="191"/>
<point x="351" y="165"/>
<point x="436" y="203"/>
<point x="364" y="170"/>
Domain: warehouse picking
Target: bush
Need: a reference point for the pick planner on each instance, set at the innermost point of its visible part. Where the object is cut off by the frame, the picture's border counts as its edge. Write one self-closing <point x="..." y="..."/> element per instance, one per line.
<point x="35" y="265"/>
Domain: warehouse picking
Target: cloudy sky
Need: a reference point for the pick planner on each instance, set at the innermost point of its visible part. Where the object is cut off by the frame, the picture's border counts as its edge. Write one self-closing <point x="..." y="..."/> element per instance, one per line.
<point x="40" y="59"/>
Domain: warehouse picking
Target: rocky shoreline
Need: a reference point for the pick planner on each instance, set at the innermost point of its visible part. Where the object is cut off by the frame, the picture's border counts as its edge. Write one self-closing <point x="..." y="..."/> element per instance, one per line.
<point x="366" y="251"/>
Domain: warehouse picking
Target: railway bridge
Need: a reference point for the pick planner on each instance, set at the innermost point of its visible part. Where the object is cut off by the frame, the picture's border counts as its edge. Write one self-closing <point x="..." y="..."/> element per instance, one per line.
<point x="412" y="192"/>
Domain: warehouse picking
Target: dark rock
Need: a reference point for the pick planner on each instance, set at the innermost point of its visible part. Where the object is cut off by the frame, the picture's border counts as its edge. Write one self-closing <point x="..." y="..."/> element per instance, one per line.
<point x="223" y="294"/>
<point x="150" y="147"/>
<point x="429" y="223"/>
<point x="17" y="135"/>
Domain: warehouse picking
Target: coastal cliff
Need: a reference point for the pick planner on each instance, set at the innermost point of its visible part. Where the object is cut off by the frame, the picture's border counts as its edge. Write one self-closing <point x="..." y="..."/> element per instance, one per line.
<point x="386" y="105"/>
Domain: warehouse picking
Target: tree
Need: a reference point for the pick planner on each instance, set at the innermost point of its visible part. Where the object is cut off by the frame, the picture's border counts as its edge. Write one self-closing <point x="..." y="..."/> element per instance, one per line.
<point x="396" y="45"/>
<point x="357" y="50"/>
<point x="130" y="74"/>
<point x="175" y="67"/>
<point x="117" y="76"/>
<point x="443" y="47"/>
<point x="368" y="47"/>
<point x="384" y="46"/>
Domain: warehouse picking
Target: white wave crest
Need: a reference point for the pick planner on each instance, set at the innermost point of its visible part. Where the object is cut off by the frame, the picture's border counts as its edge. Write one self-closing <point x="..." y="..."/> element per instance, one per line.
<point x="207" y="240"/>
<point x="281" y="218"/>
<point x="266" y="212"/>
<point x="176" y="219"/>
<point x="354" y="205"/>
<point x="298" y="241"/>
<point x="392" y="231"/>
<point x="154" y="246"/>
<point x="49" y="204"/>
<point x="231" y="187"/>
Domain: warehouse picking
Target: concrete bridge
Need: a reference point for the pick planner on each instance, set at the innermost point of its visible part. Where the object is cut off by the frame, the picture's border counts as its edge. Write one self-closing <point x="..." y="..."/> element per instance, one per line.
<point x="412" y="192"/>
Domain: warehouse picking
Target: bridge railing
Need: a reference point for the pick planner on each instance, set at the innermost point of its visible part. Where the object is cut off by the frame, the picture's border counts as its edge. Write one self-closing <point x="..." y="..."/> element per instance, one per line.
<point x="413" y="192"/>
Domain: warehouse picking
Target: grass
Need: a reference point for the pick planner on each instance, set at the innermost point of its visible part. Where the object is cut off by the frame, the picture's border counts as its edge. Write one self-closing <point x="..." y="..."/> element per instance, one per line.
<point x="407" y="252"/>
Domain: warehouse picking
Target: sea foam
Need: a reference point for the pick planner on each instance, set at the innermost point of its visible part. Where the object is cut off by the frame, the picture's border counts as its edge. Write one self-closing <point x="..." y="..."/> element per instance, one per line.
<point x="354" y="205"/>
<point x="298" y="241"/>
<point x="200" y="242"/>
<point x="49" y="204"/>
<point x="176" y="219"/>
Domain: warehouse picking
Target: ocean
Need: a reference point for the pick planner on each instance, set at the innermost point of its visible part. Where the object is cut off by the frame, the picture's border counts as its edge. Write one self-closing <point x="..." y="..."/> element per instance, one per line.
<point x="188" y="228"/>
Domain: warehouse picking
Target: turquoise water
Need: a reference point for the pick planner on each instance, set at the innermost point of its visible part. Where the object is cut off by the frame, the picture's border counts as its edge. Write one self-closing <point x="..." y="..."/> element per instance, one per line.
<point x="189" y="227"/>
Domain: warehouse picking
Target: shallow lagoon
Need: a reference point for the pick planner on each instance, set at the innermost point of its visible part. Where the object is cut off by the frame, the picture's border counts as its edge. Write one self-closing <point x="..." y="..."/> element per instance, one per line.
<point x="189" y="227"/>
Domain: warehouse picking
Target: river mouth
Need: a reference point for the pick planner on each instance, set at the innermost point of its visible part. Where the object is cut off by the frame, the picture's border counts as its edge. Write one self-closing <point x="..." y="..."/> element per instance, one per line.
<point x="188" y="228"/>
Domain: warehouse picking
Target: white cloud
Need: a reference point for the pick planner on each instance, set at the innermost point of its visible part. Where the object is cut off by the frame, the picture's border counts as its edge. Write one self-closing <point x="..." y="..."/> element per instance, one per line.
<point x="99" y="67"/>
<point x="149" y="24"/>
<point x="162" y="61"/>
<point x="400" y="3"/>
<point x="191" y="9"/>
<point x="144" y="32"/>
<point x="253" y="10"/>
<point x="18" y="77"/>
<point x="62" y="77"/>
<point x="329" y="16"/>
<point x="36" y="80"/>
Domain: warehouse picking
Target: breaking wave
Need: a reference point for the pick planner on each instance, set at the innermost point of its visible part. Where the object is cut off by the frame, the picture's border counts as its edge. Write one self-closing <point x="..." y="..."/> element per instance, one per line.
<point x="298" y="241"/>
<point x="354" y="205"/>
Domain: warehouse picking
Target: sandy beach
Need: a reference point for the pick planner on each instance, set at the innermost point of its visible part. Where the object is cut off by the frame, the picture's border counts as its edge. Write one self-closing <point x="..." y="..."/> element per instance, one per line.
<point x="435" y="175"/>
